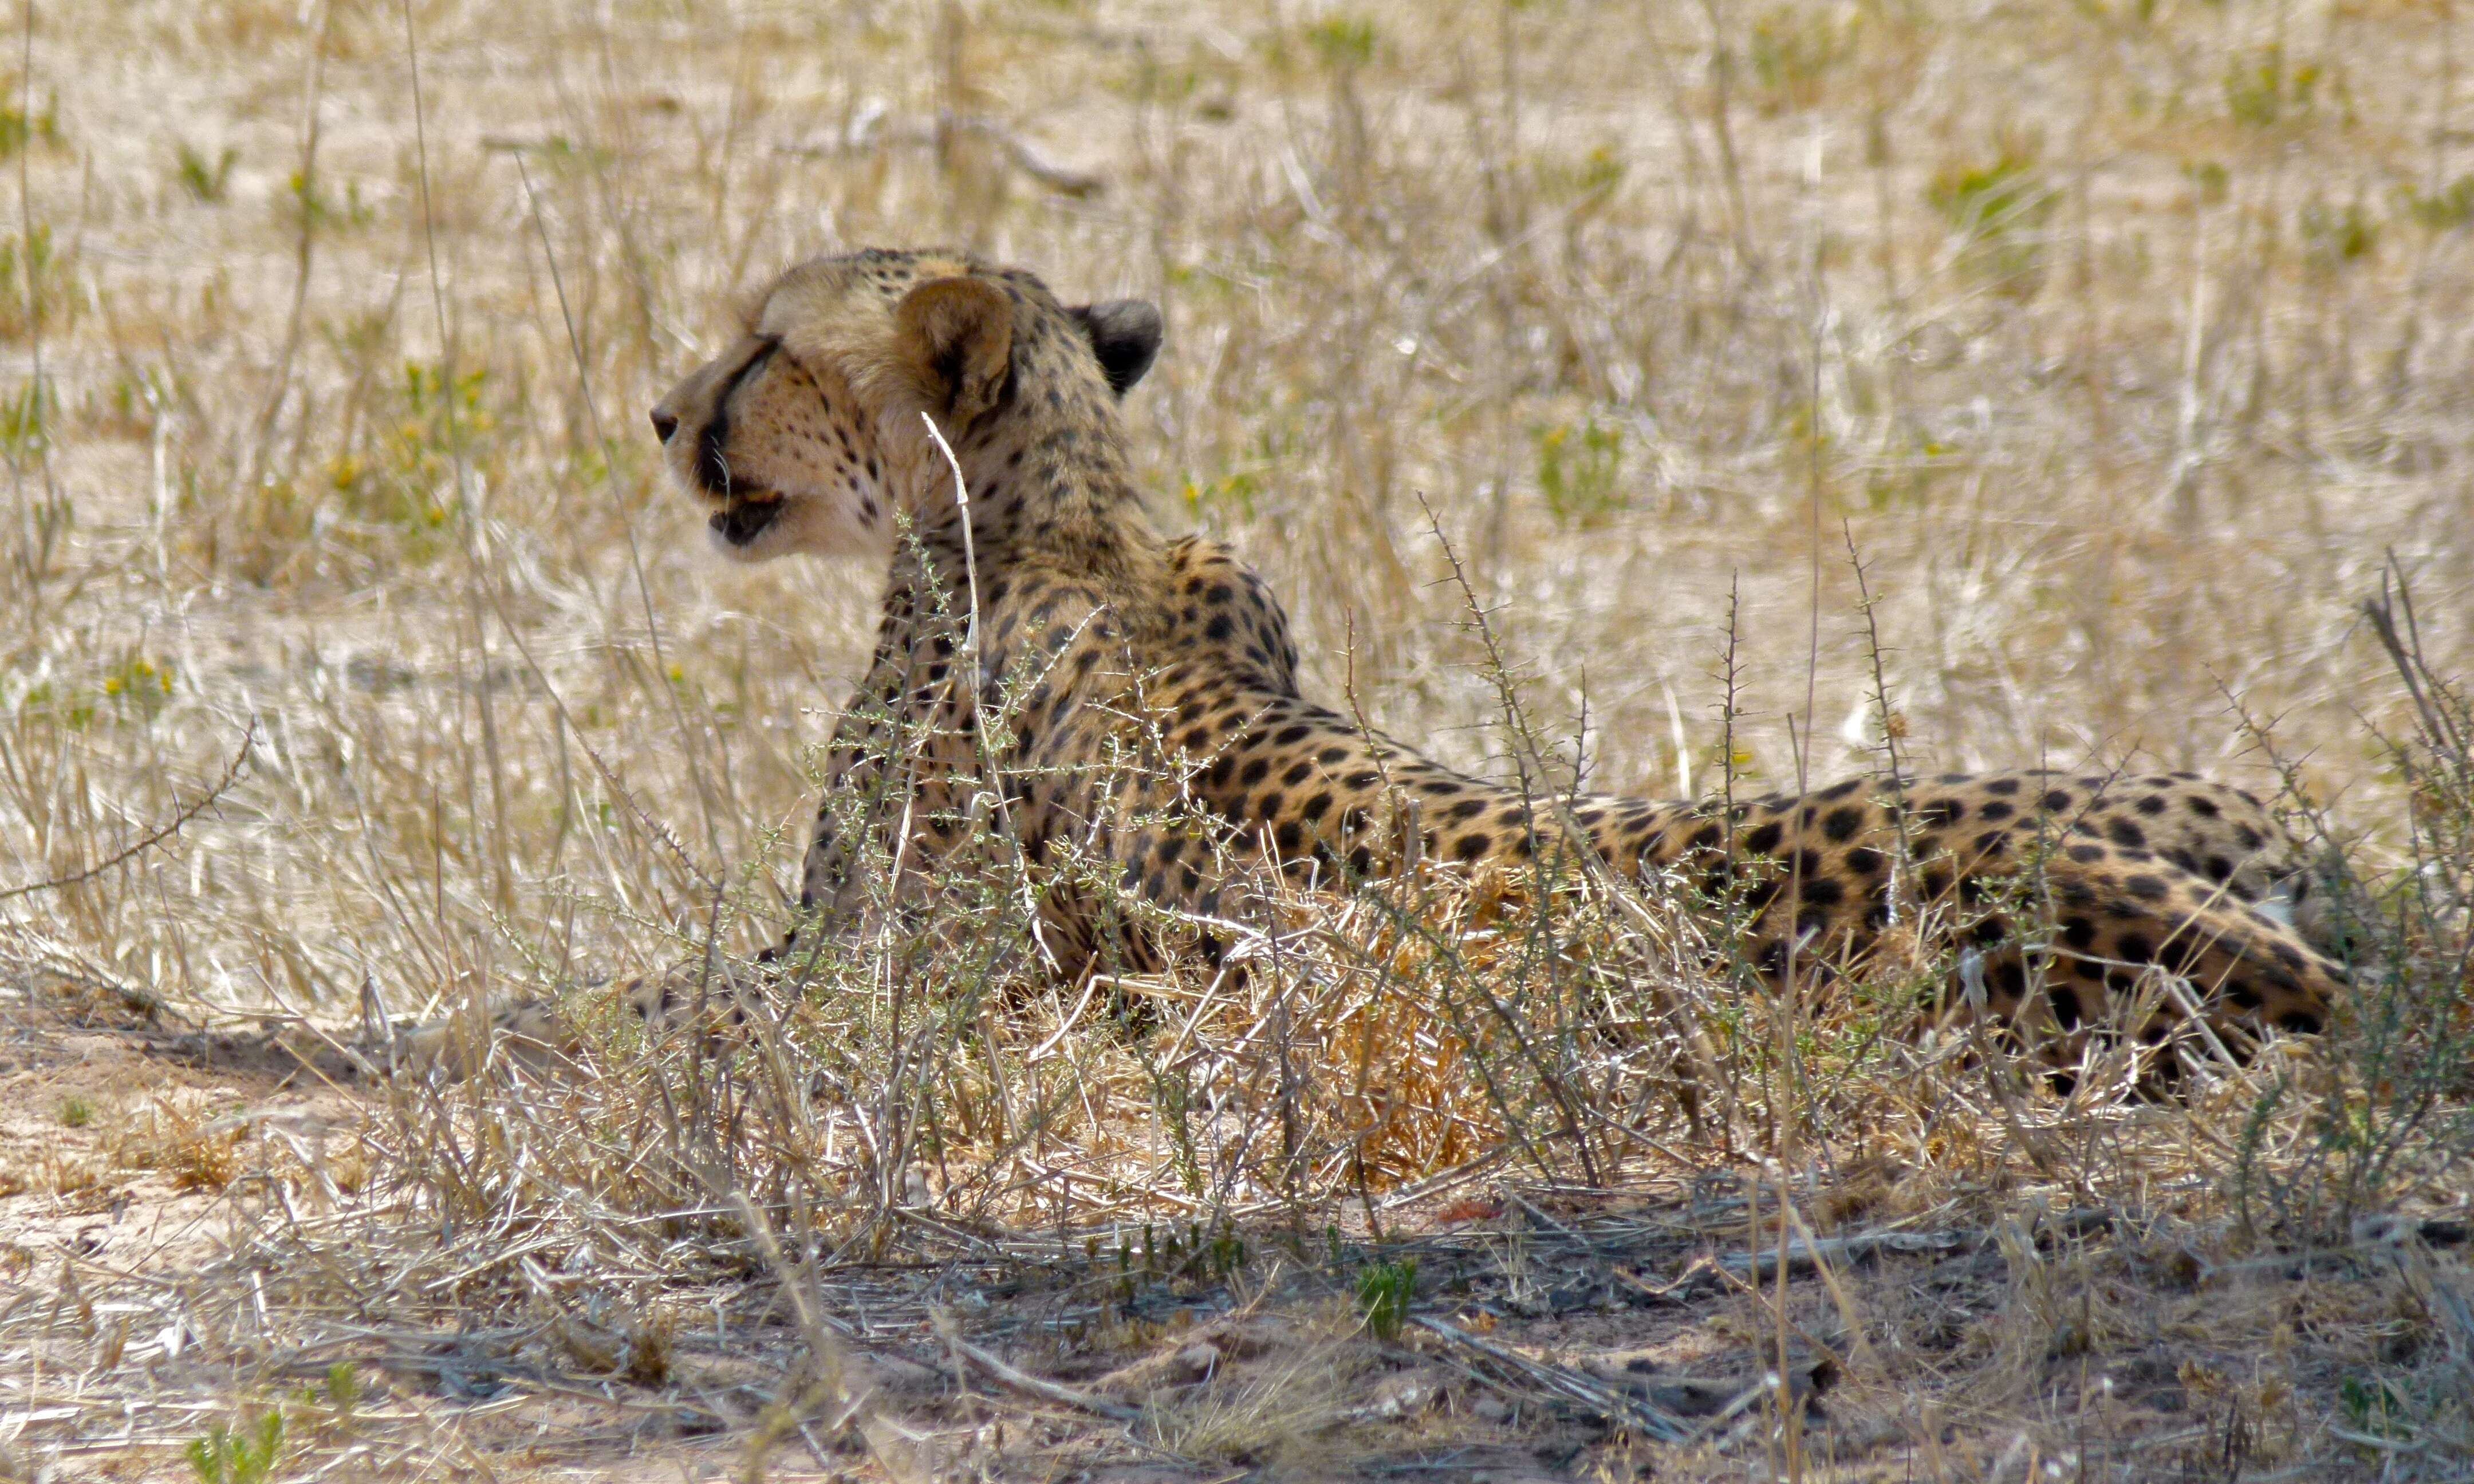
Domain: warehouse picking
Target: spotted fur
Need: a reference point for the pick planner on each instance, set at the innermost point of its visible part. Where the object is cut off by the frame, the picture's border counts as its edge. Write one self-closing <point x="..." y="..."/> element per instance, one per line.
<point x="1134" y="699"/>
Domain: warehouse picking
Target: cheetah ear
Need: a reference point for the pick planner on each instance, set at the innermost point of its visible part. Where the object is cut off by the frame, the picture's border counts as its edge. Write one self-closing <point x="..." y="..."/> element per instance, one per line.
<point x="958" y="334"/>
<point x="1125" y="332"/>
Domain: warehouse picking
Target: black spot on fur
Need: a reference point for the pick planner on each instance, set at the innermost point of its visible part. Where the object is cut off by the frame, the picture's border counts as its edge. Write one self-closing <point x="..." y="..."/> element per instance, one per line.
<point x="1941" y="813"/>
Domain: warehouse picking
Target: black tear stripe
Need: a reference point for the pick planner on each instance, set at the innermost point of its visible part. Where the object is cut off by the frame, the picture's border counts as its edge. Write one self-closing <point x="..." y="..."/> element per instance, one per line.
<point x="711" y="467"/>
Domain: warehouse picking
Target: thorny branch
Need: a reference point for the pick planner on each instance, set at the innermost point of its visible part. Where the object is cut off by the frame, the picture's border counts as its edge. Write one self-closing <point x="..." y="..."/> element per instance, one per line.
<point x="171" y="828"/>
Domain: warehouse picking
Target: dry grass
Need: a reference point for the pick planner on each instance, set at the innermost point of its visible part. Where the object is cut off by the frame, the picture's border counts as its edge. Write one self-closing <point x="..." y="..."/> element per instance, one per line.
<point x="2125" y="343"/>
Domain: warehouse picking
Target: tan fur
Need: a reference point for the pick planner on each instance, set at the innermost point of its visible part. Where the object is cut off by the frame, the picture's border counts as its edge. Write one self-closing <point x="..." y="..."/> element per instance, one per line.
<point x="1146" y="708"/>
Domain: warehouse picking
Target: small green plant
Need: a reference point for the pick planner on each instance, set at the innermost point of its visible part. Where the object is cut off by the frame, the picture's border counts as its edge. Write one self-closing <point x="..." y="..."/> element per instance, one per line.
<point x="1793" y="50"/>
<point x="129" y="407"/>
<point x="1342" y="42"/>
<point x="73" y="711"/>
<point x="1384" y="1290"/>
<point x="76" y="1113"/>
<point x="1990" y="199"/>
<point x="1225" y="1255"/>
<point x="2375" y="1407"/>
<point x="1580" y="471"/>
<point x="2000" y="208"/>
<point x="2263" y="90"/>
<point x="2208" y="180"/>
<point x="1587" y="182"/>
<point x="306" y="204"/>
<point x="26" y="419"/>
<point x="1234" y="492"/>
<point x="204" y="180"/>
<point x="2386" y="1111"/>
<point x="427" y="395"/>
<point x="226" y="1457"/>
<point x="18" y="129"/>
<point x="139" y="685"/>
<point x="32" y="276"/>
<point x="399" y="484"/>
<point x="2446" y="209"/>
<point x="2332" y="238"/>
<point x="1906" y="479"/>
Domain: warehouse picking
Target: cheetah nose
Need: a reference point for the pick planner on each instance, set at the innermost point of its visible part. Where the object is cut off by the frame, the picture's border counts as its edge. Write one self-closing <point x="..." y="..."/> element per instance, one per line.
<point x="665" y="423"/>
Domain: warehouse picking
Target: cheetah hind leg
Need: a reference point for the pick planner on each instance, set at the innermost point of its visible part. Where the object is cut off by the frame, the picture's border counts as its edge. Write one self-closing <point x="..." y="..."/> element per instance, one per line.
<point x="2245" y="973"/>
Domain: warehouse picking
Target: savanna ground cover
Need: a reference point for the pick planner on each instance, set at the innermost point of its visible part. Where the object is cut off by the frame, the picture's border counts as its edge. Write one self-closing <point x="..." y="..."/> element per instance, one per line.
<point x="1681" y="396"/>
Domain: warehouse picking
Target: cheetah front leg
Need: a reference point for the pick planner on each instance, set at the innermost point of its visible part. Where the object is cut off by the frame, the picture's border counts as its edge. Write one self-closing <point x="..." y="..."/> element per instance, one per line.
<point x="887" y="813"/>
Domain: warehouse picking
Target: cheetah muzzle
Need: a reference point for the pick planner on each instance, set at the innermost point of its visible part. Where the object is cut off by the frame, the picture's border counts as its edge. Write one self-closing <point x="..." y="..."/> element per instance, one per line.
<point x="745" y="519"/>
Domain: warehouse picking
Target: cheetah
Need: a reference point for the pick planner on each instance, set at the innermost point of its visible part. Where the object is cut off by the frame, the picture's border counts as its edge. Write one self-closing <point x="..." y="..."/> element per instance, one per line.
<point x="1052" y="671"/>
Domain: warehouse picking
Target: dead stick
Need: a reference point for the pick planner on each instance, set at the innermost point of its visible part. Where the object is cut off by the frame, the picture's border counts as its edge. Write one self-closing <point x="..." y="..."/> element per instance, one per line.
<point x="1023" y="1381"/>
<point x="1655" y="1420"/>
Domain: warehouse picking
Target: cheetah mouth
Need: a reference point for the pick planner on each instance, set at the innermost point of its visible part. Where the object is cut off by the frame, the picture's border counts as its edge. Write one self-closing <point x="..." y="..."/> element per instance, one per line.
<point x="746" y="520"/>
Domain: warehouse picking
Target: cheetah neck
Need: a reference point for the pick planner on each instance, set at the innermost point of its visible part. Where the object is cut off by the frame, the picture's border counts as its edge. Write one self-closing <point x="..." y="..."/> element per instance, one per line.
<point x="1060" y="500"/>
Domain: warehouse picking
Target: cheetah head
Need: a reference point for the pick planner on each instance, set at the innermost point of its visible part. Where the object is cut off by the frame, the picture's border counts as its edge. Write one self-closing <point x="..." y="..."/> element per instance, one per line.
<point x="804" y="434"/>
